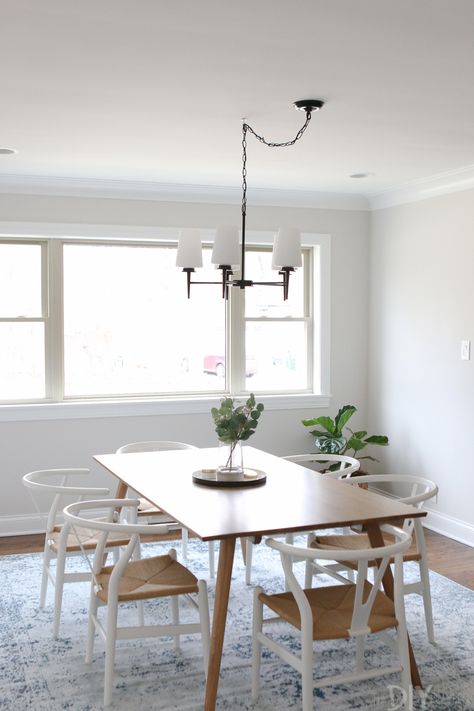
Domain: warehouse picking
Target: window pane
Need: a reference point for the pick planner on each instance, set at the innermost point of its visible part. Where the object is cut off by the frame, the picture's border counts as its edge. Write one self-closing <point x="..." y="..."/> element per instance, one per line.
<point x="22" y="364"/>
<point x="277" y="352"/>
<point x="129" y="327"/>
<point x="268" y="300"/>
<point x="20" y="280"/>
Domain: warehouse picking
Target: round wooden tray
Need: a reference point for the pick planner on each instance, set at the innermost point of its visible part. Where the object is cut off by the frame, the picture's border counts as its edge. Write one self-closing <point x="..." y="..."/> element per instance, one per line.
<point x="208" y="477"/>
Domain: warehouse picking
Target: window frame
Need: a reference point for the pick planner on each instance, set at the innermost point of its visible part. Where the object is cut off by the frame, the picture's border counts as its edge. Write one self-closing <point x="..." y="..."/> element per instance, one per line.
<point x="56" y="406"/>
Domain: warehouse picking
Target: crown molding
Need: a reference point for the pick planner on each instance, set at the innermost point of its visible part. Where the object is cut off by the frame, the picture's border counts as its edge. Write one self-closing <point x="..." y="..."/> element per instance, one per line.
<point x="413" y="191"/>
<point x="452" y="181"/>
<point x="174" y="192"/>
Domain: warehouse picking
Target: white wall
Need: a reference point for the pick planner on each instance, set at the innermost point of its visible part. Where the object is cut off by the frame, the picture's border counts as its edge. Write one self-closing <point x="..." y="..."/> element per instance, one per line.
<point x="25" y="446"/>
<point x="422" y="306"/>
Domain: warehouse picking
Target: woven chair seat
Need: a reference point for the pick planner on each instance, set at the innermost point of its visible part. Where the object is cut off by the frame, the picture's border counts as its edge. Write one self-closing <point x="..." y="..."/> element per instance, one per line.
<point x="88" y="538"/>
<point x="332" y="609"/>
<point x="160" y="576"/>
<point x="359" y="542"/>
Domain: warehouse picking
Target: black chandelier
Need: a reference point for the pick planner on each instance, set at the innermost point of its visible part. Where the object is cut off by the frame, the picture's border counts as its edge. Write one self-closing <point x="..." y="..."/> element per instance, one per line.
<point x="227" y="253"/>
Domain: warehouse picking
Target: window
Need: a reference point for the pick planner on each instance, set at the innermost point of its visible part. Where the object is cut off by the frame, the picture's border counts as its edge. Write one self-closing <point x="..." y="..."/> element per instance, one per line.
<point x="23" y="315"/>
<point x="93" y="319"/>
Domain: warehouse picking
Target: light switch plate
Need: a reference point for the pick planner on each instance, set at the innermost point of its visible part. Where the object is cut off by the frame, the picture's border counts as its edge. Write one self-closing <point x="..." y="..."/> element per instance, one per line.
<point x="465" y="350"/>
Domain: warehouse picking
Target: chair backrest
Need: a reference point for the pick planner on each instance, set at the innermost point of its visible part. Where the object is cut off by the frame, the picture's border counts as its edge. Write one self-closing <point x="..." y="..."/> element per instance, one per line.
<point x="365" y="593"/>
<point x="109" y="525"/>
<point x="347" y="465"/>
<point x="420" y="489"/>
<point x="153" y="446"/>
<point x="40" y="482"/>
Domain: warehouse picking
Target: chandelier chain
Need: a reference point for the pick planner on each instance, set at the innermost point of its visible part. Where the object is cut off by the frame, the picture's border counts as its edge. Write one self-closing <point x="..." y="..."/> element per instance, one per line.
<point x="284" y="144"/>
<point x="270" y="144"/>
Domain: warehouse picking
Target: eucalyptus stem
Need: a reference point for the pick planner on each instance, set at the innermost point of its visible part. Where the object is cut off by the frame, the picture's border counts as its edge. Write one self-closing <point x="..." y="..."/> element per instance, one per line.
<point x="233" y="445"/>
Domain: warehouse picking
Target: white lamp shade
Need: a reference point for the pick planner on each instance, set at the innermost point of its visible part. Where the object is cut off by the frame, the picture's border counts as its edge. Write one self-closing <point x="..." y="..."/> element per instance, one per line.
<point x="287" y="248"/>
<point x="189" y="253"/>
<point x="226" y="248"/>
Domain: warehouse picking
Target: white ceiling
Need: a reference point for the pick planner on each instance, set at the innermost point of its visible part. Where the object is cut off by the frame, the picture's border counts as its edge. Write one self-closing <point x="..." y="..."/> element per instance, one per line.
<point x="154" y="90"/>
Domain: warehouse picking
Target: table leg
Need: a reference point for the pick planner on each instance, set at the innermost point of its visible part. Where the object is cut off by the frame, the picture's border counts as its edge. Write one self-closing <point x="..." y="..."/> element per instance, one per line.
<point x="224" y="574"/>
<point x="376" y="541"/>
<point x="121" y="492"/>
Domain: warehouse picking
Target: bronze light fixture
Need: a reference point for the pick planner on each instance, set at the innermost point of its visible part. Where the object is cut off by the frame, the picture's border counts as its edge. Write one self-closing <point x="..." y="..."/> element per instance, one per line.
<point x="228" y="251"/>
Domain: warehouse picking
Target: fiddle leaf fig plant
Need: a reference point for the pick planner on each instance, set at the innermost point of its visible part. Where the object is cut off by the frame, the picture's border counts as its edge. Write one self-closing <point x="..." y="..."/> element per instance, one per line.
<point x="331" y="439"/>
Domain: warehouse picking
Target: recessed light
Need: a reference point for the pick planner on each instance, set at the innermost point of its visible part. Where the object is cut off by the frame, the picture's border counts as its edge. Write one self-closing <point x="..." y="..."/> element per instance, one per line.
<point x="361" y="175"/>
<point x="7" y="151"/>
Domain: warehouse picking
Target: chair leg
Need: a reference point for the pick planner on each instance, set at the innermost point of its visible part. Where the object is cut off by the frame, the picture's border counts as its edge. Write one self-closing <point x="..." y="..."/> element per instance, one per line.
<point x="111" y="637"/>
<point x="93" y="605"/>
<point x="360" y="646"/>
<point x="256" y="645"/>
<point x="426" y="592"/>
<point x="203" y="604"/>
<point x="425" y="579"/>
<point x="44" y="576"/>
<point x="184" y="544"/>
<point x="307" y="670"/>
<point x="212" y="559"/>
<point x="308" y="575"/>
<point x="174" y="604"/>
<point x="248" y="560"/>
<point x="141" y="613"/>
<point x="59" y="585"/>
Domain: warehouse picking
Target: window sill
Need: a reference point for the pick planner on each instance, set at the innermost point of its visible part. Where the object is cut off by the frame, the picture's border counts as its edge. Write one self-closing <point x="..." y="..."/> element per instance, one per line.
<point x="147" y="408"/>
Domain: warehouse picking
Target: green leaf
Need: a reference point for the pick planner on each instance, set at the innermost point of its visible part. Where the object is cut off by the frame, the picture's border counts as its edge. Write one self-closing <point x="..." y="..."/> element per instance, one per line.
<point x="377" y="439"/>
<point x="325" y="422"/>
<point x="356" y="444"/>
<point x="359" y="435"/>
<point x="260" y="406"/>
<point x="342" y="417"/>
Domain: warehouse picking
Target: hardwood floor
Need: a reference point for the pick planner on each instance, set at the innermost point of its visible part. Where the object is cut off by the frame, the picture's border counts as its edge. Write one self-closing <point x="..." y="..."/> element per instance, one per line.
<point x="449" y="558"/>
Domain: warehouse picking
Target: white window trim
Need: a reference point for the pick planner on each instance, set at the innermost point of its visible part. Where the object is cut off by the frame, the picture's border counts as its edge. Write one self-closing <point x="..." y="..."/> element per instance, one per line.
<point x="176" y="405"/>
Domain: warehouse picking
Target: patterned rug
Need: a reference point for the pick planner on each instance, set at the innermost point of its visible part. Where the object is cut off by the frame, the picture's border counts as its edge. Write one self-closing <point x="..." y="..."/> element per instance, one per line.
<point x="41" y="674"/>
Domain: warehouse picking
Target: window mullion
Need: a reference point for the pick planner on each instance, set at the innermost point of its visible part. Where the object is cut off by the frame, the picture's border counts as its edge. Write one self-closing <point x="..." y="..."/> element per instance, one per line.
<point x="236" y="342"/>
<point x="54" y="324"/>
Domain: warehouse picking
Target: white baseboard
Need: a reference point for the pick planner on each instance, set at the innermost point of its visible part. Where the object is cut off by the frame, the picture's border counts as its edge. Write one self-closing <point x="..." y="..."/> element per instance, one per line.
<point x="451" y="527"/>
<point x="21" y="525"/>
<point x="25" y="524"/>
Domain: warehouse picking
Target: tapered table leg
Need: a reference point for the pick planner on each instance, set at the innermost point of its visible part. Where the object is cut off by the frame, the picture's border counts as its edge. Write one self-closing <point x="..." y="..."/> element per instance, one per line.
<point x="376" y="541"/>
<point x="121" y="492"/>
<point x="224" y="574"/>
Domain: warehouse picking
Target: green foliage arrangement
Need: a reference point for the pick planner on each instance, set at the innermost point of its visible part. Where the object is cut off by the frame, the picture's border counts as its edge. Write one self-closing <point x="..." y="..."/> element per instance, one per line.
<point x="236" y="423"/>
<point x="330" y="438"/>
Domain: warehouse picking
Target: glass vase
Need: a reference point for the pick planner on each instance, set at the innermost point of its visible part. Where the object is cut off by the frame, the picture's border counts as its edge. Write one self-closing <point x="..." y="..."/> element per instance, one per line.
<point x="232" y="467"/>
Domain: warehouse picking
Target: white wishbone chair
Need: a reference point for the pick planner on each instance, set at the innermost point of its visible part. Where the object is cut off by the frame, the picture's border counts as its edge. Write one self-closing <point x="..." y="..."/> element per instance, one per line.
<point x="419" y="491"/>
<point x="347" y="466"/>
<point x="346" y="610"/>
<point x="59" y="543"/>
<point x="149" y="510"/>
<point x="135" y="580"/>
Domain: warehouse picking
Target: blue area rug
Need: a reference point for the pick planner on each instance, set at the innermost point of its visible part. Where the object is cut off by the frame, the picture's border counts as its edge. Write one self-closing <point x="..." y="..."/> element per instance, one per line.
<point x="41" y="674"/>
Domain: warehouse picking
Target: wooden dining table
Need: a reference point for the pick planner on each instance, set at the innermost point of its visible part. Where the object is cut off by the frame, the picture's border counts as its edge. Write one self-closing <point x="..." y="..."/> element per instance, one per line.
<point x="293" y="498"/>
